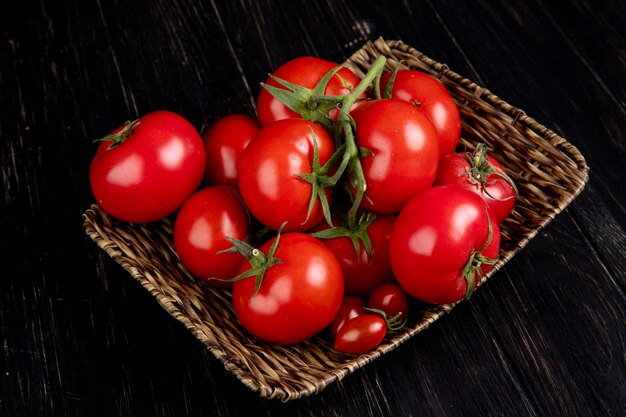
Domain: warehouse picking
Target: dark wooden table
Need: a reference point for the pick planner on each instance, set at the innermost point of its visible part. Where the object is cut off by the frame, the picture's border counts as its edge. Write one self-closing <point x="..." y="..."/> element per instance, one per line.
<point x="79" y="337"/>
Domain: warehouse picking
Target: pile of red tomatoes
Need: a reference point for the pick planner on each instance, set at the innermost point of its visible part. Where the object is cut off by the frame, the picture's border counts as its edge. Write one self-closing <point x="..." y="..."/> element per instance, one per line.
<point x="340" y="202"/>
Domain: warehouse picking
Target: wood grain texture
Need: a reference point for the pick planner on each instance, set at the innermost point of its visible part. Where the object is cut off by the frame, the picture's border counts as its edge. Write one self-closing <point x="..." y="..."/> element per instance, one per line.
<point x="546" y="336"/>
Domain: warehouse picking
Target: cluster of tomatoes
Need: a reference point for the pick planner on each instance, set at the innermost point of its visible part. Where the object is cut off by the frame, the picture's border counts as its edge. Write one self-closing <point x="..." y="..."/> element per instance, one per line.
<point x="342" y="199"/>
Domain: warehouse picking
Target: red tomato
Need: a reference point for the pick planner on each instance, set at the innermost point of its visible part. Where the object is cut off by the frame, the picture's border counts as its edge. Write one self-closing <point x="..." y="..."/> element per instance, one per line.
<point x="361" y="334"/>
<point x="392" y="300"/>
<point x="403" y="142"/>
<point x="297" y="298"/>
<point x="351" y="307"/>
<point x="156" y="164"/>
<point x="440" y="233"/>
<point x="305" y="72"/>
<point x="224" y="142"/>
<point x="433" y="98"/>
<point x="204" y="222"/>
<point x="482" y="175"/>
<point x="268" y="169"/>
<point x="364" y="273"/>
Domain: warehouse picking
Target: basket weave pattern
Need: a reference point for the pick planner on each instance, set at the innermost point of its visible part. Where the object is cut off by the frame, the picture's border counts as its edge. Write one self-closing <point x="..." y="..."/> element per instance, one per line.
<point x="548" y="171"/>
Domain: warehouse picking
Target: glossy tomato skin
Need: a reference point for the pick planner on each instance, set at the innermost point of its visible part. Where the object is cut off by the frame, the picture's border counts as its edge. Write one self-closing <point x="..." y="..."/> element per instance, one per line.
<point x="497" y="192"/>
<point x="433" y="98"/>
<point x="433" y="239"/>
<point x="150" y="174"/>
<point x="224" y="143"/>
<point x="201" y="229"/>
<point x="268" y="169"/>
<point x="352" y="306"/>
<point x="404" y="147"/>
<point x="361" y="334"/>
<point x="298" y="297"/>
<point x="306" y="72"/>
<point x="391" y="299"/>
<point x="363" y="273"/>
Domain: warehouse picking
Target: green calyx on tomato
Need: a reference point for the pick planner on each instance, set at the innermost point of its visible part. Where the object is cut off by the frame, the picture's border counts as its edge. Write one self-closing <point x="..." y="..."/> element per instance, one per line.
<point x="480" y="169"/>
<point x="118" y="138"/>
<point x="306" y="101"/>
<point x="476" y="260"/>
<point x="358" y="234"/>
<point x="259" y="262"/>
<point x="319" y="180"/>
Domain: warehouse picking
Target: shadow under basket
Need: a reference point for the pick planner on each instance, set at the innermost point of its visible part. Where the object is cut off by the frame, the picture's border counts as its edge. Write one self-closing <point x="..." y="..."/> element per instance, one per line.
<point x="548" y="171"/>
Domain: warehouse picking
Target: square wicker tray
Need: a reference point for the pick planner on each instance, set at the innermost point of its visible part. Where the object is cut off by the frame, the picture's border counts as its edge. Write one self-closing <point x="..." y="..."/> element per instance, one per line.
<point x="548" y="170"/>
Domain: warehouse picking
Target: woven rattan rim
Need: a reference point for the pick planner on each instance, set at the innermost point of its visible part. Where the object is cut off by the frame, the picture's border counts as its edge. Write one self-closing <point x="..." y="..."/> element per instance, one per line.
<point x="549" y="171"/>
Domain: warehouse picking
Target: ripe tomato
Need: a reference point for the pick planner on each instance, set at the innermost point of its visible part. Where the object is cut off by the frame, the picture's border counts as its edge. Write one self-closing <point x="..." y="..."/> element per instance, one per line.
<point x="392" y="300"/>
<point x="268" y="169"/>
<point x="306" y="72"/>
<point x="432" y="97"/>
<point x="204" y="222"/>
<point x="481" y="174"/>
<point x="144" y="171"/>
<point x="403" y="142"/>
<point x="363" y="273"/>
<point x="351" y="307"/>
<point x="297" y="298"/>
<point x="361" y="334"/>
<point x="440" y="245"/>
<point x="224" y="142"/>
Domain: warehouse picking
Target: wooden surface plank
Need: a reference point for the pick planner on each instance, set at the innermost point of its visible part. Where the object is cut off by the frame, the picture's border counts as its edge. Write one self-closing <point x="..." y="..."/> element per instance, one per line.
<point x="80" y="337"/>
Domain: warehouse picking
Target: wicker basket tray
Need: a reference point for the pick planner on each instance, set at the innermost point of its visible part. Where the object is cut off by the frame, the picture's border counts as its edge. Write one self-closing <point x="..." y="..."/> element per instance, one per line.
<point x="548" y="170"/>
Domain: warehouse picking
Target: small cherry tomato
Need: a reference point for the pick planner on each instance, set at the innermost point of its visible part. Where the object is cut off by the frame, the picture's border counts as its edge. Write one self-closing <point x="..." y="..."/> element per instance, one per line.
<point x="351" y="307"/>
<point x="432" y="97"/>
<point x="202" y="225"/>
<point x="224" y="142"/>
<point x="145" y="170"/>
<point x="361" y="334"/>
<point x="392" y="300"/>
<point x="481" y="174"/>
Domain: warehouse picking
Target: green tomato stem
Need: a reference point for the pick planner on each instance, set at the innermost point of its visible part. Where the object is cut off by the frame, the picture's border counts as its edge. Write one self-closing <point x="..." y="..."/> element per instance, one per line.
<point x="345" y="125"/>
<point x="118" y="138"/>
<point x="375" y="70"/>
<point x="316" y="98"/>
